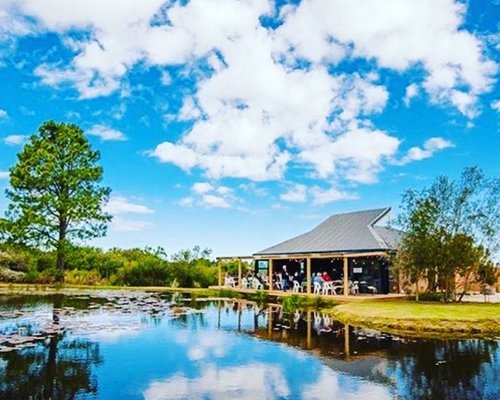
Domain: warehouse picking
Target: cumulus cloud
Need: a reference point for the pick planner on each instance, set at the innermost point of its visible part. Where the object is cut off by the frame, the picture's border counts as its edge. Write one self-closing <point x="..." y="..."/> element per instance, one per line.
<point x="495" y="105"/>
<point x="121" y="208"/>
<point x="208" y="195"/>
<point x="105" y="133"/>
<point x="266" y="99"/>
<point x="122" y="224"/>
<point x="15" y="140"/>
<point x="431" y="146"/>
<point x="4" y="174"/>
<point x="295" y="194"/>
<point x="410" y="92"/>
<point x="121" y="205"/>
<point x="3" y="114"/>
<point x="324" y="196"/>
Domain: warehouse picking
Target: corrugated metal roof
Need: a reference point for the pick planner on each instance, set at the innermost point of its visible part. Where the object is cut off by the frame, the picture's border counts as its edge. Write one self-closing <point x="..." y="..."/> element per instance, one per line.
<point x="354" y="231"/>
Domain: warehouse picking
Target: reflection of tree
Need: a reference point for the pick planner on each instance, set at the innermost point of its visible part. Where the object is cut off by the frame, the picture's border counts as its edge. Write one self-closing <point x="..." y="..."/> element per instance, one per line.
<point x="446" y="370"/>
<point x="56" y="370"/>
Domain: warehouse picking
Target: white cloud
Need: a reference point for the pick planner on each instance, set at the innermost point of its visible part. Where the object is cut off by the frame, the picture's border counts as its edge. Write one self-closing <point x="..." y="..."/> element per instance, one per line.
<point x="268" y="99"/>
<point x="105" y="133"/>
<point x="431" y="146"/>
<point x="121" y="205"/>
<point x="296" y="194"/>
<point x="3" y="114"/>
<point x="324" y="196"/>
<point x="4" y="174"/>
<point x="121" y="224"/>
<point x="165" y="78"/>
<point x="410" y="92"/>
<point x="495" y="105"/>
<point x="15" y="140"/>
<point x="202" y="187"/>
<point x="211" y="200"/>
<point x="210" y="195"/>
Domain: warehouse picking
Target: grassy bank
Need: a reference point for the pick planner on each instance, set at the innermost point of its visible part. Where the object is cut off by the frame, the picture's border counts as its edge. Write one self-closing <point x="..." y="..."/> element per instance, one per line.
<point x="423" y="319"/>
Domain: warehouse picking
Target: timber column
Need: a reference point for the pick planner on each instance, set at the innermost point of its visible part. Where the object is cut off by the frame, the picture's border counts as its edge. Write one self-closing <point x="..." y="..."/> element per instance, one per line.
<point x="220" y="273"/>
<point x="308" y="274"/>
<point x="270" y="273"/>
<point x="346" y="276"/>
<point x="239" y="273"/>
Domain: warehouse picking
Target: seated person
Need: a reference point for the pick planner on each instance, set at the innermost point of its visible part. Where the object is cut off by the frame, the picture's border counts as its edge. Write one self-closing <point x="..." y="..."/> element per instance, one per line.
<point x="318" y="278"/>
<point x="326" y="277"/>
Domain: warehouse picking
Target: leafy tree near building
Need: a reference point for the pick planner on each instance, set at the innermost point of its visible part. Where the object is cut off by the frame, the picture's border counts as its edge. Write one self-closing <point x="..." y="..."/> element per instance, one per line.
<point x="452" y="229"/>
<point x="55" y="193"/>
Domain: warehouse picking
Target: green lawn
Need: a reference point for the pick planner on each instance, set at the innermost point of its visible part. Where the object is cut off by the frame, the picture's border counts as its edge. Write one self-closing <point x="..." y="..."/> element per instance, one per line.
<point x="423" y="318"/>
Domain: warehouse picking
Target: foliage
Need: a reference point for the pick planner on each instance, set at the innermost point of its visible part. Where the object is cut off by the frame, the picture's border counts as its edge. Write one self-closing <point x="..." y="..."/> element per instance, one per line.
<point x="451" y="229"/>
<point x="93" y="266"/>
<point x="55" y="195"/>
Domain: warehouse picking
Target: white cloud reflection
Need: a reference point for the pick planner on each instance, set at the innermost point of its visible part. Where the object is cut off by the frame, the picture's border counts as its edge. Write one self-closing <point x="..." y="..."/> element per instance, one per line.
<point x="253" y="381"/>
<point x="333" y="385"/>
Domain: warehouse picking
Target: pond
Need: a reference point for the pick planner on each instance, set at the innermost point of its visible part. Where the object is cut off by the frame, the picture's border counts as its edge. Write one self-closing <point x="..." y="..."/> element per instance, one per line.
<point x="136" y="345"/>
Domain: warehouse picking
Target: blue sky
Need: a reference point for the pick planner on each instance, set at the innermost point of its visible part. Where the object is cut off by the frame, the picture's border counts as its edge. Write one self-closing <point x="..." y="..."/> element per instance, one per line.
<point x="235" y="125"/>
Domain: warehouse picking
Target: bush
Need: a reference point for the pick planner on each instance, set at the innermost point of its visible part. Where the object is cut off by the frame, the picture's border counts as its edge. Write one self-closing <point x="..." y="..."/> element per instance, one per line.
<point x="428" y="296"/>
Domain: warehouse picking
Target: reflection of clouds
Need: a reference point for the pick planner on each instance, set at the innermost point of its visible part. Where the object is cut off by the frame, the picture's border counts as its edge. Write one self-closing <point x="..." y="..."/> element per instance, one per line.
<point x="254" y="381"/>
<point x="215" y="344"/>
<point x="332" y="385"/>
<point x="113" y="334"/>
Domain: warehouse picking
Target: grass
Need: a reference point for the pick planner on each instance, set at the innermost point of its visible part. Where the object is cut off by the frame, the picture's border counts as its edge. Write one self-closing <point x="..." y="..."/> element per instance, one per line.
<point x="423" y="319"/>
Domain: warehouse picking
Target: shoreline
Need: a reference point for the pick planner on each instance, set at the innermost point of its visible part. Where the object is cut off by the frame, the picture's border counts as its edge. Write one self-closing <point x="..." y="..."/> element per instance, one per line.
<point x="399" y="317"/>
<point x="424" y="320"/>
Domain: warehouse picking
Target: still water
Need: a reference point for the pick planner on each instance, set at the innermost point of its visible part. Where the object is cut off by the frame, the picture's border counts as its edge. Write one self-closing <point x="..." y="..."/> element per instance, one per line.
<point x="122" y="345"/>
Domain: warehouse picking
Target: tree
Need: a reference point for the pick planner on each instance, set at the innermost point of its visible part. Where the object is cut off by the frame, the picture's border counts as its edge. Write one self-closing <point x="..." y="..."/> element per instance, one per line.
<point x="55" y="194"/>
<point x="451" y="228"/>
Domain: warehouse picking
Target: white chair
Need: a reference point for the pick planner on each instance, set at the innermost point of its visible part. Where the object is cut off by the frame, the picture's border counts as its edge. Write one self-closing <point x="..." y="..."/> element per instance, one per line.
<point x="317" y="288"/>
<point x="244" y="283"/>
<point x="229" y="281"/>
<point x="327" y="287"/>
<point x="256" y="284"/>
<point x="355" y="288"/>
<point x="296" y="287"/>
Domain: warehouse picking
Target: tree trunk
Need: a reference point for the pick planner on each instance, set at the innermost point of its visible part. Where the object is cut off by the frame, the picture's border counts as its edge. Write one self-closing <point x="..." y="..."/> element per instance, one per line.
<point x="61" y="251"/>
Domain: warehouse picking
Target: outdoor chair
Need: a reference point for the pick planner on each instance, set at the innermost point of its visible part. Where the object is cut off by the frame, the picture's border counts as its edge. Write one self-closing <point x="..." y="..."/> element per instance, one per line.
<point x="256" y="284"/>
<point x="317" y="288"/>
<point x="229" y="281"/>
<point x="244" y="283"/>
<point x="327" y="287"/>
<point x="296" y="287"/>
<point x="355" y="288"/>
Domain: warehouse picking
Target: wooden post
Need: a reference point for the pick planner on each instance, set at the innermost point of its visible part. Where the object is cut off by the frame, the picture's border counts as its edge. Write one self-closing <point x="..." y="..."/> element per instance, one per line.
<point x="309" y="329"/>
<point x="270" y="272"/>
<point x="308" y="274"/>
<point x="220" y="273"/>
<point x="346" y="276"/>
<point x="269" y="322"/>
<point x="347" y="348"/>
<point x="239" y="273"/>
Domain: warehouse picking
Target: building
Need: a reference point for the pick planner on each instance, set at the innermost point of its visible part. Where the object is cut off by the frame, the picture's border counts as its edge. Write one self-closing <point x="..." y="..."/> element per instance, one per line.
<point x="353" y="248"/>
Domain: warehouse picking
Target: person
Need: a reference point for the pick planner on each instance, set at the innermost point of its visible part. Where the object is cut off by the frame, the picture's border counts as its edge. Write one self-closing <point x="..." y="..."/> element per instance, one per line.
<point x="318" y="279"/>
<point x="326" y="277"/>
<point x="285" y="278"/>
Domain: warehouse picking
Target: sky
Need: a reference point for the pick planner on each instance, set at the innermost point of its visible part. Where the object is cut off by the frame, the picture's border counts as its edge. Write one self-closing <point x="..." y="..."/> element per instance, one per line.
<point x="237" y="124"/>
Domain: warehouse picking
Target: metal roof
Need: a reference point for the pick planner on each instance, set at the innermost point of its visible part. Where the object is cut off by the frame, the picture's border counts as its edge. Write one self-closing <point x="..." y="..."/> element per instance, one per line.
<point x="350" y="232"/>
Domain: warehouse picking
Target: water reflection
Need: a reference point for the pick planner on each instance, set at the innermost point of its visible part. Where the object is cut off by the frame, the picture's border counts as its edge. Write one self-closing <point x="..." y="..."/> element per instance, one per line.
<point x="147" y="346"/>
<point x="57" y="368"/>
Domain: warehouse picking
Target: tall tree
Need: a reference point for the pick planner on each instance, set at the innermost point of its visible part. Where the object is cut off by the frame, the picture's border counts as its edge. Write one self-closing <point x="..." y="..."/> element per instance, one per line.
<point x="56" y="194"/>
<point x="452" y="228"/>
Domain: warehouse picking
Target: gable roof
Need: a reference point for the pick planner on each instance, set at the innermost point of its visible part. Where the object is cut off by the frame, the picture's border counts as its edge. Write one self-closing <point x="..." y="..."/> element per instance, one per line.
<point x="349" y="232"/>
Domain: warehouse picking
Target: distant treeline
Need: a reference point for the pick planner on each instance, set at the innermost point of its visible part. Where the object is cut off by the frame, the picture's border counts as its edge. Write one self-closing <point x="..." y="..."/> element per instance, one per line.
<point x="93" y="266"/>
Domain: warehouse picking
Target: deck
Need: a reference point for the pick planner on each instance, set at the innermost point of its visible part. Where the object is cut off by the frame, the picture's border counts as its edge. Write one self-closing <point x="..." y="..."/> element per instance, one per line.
<point x="329" y="297"/>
